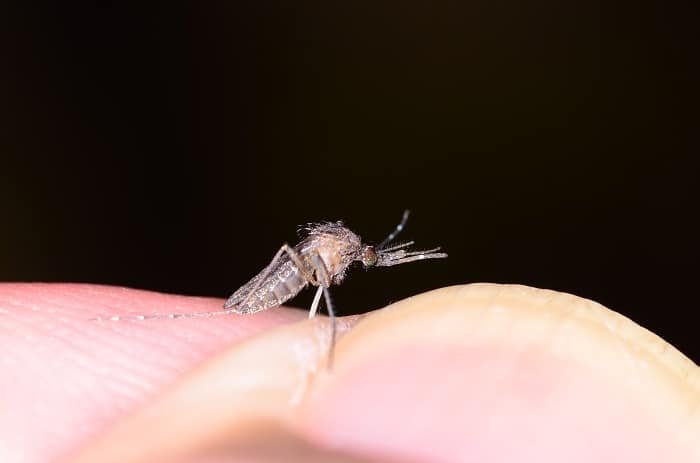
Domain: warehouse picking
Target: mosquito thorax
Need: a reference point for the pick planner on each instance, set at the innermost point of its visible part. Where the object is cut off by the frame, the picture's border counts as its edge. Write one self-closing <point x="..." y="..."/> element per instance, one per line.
<point x="369" y="256"/>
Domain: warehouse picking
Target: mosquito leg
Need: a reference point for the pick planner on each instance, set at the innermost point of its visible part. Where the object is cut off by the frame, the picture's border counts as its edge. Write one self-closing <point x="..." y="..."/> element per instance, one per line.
<point x="292" y="253"/>
<point x="331" y="314"/>
<point x="173" y="316"/>
<point x="397" y="246"/>
<point x="314" y="304"/>
<point x="325" y="282"/>
<point x="396" y="231"/>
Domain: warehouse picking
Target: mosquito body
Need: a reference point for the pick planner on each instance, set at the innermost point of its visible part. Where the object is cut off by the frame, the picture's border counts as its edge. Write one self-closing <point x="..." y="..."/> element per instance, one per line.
<point x="321" y="259"/>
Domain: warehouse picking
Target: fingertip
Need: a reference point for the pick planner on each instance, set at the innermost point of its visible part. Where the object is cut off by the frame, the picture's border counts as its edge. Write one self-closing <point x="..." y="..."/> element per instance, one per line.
<point x="485" y="372"/>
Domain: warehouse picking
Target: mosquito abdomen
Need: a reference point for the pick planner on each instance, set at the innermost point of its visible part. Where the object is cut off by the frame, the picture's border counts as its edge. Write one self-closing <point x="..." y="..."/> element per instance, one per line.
<point x="279" y="286"/>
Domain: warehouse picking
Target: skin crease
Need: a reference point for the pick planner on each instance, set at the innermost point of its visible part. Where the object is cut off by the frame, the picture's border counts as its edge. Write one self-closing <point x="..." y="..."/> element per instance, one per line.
<point x="486" y="373"/>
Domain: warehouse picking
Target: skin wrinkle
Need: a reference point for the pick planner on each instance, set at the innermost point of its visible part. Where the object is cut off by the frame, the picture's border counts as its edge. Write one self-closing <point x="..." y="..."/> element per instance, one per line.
<point x="651" y="344"/>
<point x="122" y="359"/>
<point x="79" y="359"/>
<point x="125" y="376"/>
<point x="615" y="326"/>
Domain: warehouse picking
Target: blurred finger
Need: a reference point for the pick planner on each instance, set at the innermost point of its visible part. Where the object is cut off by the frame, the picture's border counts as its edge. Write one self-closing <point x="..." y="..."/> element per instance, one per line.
<point x="503" y="373"/>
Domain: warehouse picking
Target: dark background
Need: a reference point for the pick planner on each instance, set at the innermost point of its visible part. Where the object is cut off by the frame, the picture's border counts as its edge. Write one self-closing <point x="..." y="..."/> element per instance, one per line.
<point x="174" y="146"/>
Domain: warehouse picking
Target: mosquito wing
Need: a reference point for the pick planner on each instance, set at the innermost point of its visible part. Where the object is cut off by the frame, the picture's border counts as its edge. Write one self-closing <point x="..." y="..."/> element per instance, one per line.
<point x="273" y="286"/>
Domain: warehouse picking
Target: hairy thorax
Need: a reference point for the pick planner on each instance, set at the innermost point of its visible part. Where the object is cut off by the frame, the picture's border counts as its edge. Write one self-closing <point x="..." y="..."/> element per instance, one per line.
<point x="337" y="250"/>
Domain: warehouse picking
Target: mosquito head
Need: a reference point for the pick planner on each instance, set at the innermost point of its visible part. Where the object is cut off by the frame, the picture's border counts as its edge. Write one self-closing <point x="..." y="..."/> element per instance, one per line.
<point x="385" y="254"/>
<point x="369" y="256"/>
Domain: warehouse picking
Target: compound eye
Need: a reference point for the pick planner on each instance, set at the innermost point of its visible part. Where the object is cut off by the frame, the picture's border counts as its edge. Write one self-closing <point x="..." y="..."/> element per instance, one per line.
<point x="369" y="257"/>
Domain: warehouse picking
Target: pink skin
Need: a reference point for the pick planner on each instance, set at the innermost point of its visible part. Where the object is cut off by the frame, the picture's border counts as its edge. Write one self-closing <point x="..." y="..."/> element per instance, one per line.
<point x="66" y="380"/>
<point x="512" y="407"/>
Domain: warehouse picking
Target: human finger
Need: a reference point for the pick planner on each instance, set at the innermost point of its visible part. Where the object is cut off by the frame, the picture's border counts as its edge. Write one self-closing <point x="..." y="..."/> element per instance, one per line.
<point x="65" y="379"/>
<point x="483" y="372"/>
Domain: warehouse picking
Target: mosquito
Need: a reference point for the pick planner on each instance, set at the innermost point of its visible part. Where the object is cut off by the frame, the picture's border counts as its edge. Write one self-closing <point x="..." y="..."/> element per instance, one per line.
<point x="321" y="259"/>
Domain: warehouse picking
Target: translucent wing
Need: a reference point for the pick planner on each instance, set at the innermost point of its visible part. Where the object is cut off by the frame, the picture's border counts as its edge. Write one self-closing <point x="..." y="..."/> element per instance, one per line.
<point x="273" y="286"/>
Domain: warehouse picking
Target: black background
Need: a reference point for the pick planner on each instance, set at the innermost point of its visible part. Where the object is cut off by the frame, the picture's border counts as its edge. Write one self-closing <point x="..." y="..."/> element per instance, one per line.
<point x="175" y="146"/>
